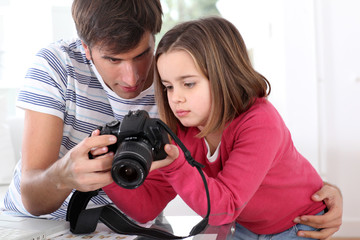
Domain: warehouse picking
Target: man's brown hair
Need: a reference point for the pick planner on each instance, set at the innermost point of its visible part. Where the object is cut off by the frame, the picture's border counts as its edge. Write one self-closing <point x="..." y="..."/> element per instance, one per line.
<point x="117" y="25"/>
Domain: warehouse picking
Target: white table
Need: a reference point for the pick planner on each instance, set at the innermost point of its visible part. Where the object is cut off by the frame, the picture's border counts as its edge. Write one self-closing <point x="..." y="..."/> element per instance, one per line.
<point x="178" y="225"/>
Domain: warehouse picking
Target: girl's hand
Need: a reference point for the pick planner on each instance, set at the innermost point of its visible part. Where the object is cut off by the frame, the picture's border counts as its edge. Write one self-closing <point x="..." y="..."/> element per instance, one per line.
<point x="172" y="152"/>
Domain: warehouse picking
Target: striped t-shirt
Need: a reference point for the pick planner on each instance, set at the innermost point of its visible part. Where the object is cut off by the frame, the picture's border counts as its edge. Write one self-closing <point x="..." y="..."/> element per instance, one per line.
<point x="63" y="83"/>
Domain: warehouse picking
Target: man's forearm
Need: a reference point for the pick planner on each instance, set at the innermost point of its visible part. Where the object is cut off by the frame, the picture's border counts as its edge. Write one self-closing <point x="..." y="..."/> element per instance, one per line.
<point x="40" y="192"/>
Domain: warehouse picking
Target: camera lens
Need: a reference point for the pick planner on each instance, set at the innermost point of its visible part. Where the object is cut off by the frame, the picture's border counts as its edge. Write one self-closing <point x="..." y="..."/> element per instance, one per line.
<point x="132" y="163"/>
<point x="128" y="173"/>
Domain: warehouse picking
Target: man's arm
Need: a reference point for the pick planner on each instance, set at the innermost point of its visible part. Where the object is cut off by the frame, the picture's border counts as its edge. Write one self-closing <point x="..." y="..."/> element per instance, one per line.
<point x="46" y="180"/>
<point x="330" y="222"/>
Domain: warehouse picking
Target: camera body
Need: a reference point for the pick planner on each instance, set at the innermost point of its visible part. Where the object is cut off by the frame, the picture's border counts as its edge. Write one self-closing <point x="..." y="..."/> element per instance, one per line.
<point x="140" y="141"/>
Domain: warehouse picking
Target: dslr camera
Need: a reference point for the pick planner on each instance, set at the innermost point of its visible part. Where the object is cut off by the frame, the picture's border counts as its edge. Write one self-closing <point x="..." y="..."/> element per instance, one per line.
<point x="140" y="141"/>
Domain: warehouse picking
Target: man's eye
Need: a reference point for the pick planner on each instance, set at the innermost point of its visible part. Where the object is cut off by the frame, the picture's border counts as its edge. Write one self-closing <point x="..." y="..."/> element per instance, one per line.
<point x="113" y="60"/>
<point x="142" y="56"/>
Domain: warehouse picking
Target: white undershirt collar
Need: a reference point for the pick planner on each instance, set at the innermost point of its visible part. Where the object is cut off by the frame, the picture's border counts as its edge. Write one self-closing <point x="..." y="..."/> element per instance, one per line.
<point x="212" y="158"/>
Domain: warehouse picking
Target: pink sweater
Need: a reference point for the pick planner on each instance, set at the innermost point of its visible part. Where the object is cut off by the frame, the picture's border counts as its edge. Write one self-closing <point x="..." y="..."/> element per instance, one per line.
<point x="259" y="179"/>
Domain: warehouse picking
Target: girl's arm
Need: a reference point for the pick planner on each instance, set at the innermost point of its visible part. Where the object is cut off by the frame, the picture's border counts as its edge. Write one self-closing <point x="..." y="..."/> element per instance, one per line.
<point x="144" y="203"/>
<point x="147" y="201"/>
<point x="256" y="154"/>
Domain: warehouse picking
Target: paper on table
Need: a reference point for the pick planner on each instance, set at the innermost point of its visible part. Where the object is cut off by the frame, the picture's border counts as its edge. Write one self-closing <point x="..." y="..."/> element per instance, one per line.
<point x="101" y="232"/>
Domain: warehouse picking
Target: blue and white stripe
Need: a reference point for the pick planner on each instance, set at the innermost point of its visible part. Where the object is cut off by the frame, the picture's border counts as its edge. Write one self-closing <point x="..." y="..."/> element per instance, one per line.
<point x="63" y="83"/>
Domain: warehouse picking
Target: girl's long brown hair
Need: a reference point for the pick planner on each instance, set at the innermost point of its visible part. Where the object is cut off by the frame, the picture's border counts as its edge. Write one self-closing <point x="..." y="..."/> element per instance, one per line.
<point x="221" y="55"/>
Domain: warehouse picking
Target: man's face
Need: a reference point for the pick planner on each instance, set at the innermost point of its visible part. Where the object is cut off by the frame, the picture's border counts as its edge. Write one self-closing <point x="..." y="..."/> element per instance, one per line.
<point x="126" y="74"/>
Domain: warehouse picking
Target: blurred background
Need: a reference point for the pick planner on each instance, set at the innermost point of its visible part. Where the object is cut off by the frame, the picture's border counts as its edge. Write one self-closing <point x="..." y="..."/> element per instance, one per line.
<point x="308" y="49"/>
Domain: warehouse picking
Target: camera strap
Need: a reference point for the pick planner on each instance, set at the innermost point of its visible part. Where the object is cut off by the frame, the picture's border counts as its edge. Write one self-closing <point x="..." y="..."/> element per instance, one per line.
<point x="84" y="220"/>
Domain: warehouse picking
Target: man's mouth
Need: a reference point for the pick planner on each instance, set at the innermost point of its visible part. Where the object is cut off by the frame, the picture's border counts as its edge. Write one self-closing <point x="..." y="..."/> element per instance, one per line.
<point x="131" y="89"/>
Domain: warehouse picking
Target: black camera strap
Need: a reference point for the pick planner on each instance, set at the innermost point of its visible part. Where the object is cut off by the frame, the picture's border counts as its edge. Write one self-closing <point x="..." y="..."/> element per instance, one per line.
<point x="84" y="220"/>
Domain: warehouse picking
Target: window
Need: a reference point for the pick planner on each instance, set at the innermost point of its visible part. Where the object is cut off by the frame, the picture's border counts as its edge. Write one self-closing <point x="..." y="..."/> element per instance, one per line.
<point x="274" y="34"/>
<point x="25" y="27"/>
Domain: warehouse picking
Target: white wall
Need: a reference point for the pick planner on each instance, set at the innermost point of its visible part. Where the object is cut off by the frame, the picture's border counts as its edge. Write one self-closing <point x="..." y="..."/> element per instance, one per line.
<point x="340" y="80"/>
<point x="280" y="36"/>
<point x="310" y="52"/>
<point x="42" y="22"/>
<point x="7" y="150"/>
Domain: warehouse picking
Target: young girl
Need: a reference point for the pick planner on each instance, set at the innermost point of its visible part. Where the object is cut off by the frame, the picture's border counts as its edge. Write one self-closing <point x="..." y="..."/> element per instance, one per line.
<point x="209" y="94"/>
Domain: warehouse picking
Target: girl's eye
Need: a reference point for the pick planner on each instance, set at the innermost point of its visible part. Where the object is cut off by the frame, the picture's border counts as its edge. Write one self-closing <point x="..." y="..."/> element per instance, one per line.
<point x="168" y="88"/>
<point x="189" y="85"/>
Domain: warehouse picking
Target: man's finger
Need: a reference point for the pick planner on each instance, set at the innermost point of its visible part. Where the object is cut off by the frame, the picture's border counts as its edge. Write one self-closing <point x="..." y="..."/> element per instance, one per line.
<point x="313" y="221"/>
<point x="328" y="190"/>
<point x="92" y="143"/>
<point x="323" y="234"/>
<point x="320" y="221"/>
<point x="99" y="151"/>
<point x="95" y="133"/>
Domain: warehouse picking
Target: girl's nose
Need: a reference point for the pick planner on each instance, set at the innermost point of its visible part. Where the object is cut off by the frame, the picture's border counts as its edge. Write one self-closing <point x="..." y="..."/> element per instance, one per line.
<point x="177" y="96"/>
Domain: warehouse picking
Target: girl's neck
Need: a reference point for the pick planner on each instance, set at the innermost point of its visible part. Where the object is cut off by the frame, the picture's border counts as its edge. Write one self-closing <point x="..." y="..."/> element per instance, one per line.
<point x="213" y="140"/>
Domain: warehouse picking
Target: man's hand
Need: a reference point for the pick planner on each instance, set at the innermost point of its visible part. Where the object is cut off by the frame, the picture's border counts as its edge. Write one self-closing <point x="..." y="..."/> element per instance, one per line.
<point x="330" y="222"/>
<point x="47" y="180"/>
<point x="84" y="174"/>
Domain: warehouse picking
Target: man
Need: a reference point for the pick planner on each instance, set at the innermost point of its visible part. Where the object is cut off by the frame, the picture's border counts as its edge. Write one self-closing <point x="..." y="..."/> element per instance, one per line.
<point x="75" y="86"/>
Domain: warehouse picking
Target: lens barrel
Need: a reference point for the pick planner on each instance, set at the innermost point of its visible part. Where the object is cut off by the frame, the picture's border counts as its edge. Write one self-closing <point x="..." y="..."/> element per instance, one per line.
<point x="132" y="163"/>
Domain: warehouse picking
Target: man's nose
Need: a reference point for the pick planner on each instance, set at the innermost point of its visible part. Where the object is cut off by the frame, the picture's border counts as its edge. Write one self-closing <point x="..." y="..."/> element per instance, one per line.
<point x="129" y="74"/>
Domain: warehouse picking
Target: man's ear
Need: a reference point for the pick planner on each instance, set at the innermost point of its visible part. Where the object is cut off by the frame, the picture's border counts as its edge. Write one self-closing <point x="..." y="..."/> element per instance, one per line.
<point x="87" y="50"/>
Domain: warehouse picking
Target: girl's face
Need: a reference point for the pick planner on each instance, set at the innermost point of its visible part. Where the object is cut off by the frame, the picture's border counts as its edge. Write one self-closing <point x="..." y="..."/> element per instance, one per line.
<point x="188" y="90"/>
